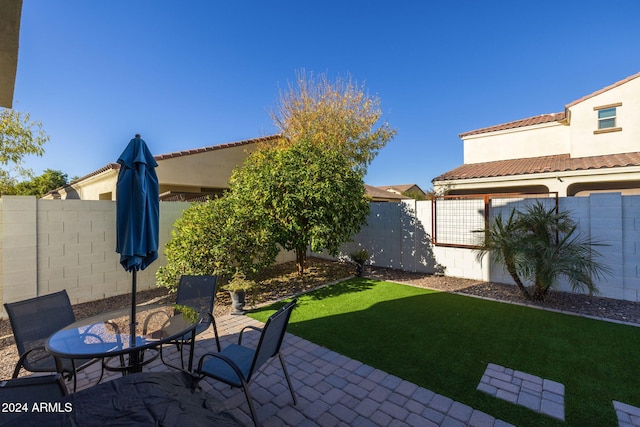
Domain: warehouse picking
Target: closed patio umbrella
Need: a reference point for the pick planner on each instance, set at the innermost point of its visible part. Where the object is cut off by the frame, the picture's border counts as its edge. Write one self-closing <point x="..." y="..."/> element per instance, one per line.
<point x="137" y="213"/>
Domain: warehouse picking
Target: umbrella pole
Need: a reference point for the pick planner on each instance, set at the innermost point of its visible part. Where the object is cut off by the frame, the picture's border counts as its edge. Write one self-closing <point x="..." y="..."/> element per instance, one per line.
<point x="134" y="280"/>
<point x="133" y="357"/>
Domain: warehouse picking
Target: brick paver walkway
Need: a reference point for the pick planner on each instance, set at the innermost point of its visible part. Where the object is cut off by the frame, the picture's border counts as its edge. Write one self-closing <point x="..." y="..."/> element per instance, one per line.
<point x="520" y="388"/>
<point x="332" y="390"/>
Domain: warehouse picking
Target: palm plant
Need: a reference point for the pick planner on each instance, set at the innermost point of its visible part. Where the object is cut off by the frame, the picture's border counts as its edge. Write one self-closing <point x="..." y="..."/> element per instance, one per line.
<point x="541" y="245"/>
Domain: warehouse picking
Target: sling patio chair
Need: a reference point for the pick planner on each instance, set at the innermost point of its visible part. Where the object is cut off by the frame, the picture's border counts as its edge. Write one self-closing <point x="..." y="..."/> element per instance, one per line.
<point x="33" y="321"/>
<point x="236" y="364"/>
<point x="198" y="293"/>
<point x="19" y="395"/>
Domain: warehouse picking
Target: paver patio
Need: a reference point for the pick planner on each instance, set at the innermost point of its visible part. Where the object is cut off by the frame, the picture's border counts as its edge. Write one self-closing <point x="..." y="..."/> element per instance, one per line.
<point x="332" y="389"/>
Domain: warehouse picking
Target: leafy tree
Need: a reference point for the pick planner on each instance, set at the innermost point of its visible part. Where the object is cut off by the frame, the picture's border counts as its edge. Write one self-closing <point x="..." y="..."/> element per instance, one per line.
<point x="312" y="196"/>
<point x="42" y="184"/>
<point x="19" y="137"/>
<point x="336" y="115"/>
<point x="219" y="236"/>
<point x="540" y="246"/>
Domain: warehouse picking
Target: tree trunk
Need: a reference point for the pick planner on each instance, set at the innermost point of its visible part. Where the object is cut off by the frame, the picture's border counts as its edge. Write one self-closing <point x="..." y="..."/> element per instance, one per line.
<point x="301" y="256"/>
<point x="514" y="275"/>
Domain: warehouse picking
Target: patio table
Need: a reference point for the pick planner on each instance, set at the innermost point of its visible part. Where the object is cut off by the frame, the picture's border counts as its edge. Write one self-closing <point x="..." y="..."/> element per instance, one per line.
<point x="111" y="336"/>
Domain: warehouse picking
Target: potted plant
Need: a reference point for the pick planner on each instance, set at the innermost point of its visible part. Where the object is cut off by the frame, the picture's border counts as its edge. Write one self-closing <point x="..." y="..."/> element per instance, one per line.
<point x="238" y="287"/>
<point x="359" y="257"/>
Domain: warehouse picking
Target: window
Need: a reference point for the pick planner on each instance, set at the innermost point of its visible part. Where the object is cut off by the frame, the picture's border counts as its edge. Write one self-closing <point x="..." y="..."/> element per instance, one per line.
<point x="607" y="118"/>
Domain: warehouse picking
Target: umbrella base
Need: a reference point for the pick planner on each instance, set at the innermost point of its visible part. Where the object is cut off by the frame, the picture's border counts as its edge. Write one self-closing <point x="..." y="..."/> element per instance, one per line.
<point x="130" y="366"/>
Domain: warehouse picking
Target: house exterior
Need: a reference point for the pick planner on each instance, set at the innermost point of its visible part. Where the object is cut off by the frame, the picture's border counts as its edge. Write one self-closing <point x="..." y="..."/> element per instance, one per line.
<point x="592" y="146"/>
<point x="182" y="176"/>
<point x="189" y="175"/>
<point x="379" y="194"/>
<point x="401" y="189"/>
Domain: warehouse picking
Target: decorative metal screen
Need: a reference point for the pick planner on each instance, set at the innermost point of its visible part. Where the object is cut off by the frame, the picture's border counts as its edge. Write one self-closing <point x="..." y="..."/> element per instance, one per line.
<point x="460" y="221"/>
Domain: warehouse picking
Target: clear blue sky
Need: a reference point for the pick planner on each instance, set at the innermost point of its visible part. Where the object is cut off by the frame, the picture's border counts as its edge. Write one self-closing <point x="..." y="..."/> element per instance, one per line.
<point x="199" y="73"/>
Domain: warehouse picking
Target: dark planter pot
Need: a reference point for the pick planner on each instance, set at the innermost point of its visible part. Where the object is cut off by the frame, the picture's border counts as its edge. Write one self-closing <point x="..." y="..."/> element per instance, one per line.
<point x="237" y="302"/>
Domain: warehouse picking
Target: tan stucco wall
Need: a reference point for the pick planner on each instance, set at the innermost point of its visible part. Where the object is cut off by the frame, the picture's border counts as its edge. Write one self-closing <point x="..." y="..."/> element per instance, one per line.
<point x="584" y="120"/>
<point x="533" y="141"/>
<point x="206" y="169"/>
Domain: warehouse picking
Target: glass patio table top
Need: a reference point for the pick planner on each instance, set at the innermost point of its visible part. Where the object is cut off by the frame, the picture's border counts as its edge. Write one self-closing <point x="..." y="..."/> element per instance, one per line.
<point x="110" y="334"/>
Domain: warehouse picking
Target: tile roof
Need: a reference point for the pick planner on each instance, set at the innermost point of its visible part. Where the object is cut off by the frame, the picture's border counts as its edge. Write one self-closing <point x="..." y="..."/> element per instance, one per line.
<point x="216" y="147"/>
<point x="530" y="121"/>
<point x="116" y="166"/>
<point x="400" y="187"/>
<point x="378" y="193"/>
<point x="544" y="164"/>
<point x="546" y="118"/>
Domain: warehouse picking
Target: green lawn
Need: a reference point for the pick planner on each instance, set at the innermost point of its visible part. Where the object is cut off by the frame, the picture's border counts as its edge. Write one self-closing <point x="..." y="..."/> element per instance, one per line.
<point x="444" y="342"/>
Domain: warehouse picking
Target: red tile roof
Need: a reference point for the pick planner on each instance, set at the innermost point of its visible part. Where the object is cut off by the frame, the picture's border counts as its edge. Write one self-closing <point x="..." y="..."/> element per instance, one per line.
<point x="546" y="118"/>
<point x="215" y="147"/>
<point x="116" y="166"/>
<point x="557" y="163"/>
<point x="536" y="120"/>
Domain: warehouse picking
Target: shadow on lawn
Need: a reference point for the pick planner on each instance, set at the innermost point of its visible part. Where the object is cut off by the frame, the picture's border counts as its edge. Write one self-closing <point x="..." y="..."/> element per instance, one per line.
<point x="341" y="288"/>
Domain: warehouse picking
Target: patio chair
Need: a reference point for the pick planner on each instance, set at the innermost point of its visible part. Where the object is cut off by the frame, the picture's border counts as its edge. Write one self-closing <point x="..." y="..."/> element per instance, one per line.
<point x="24" y="392"/>
<point x="199" y="293"/>
<point x="33" y="321"/>
<point x="236" y="364"/>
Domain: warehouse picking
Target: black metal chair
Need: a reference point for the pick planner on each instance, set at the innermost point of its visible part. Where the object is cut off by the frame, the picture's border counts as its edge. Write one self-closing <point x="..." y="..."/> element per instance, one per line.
<point x="198" y="293"/>
<point x="236" y="364"/>
<point x="33" y="321"/>
<point x="24" y="392"/>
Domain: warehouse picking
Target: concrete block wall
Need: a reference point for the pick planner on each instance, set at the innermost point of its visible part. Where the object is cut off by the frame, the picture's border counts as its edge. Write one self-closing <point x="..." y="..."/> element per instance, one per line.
<point x="398" y="236"/>
<point x="50" y="245"/>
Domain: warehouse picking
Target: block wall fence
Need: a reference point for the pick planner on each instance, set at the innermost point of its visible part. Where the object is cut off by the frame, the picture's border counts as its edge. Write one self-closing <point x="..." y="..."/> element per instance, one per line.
<point x="398" y="236"/>
<point x="50" y="245"/>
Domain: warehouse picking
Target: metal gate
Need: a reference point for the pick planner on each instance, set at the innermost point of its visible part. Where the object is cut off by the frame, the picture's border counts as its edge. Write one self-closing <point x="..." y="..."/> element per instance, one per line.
<point x="460" y="221"/>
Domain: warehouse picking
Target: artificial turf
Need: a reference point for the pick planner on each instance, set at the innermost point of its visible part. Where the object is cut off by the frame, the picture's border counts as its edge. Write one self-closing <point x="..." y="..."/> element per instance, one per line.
<point x="443" y="342"/>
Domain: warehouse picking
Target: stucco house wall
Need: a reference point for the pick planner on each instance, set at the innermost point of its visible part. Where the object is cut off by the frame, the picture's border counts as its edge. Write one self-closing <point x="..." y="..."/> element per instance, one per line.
<point x="561" y="152"/>
<point x="201" y="170"/>
<point x="584" y="142"/>
<point x="532" y="141"/>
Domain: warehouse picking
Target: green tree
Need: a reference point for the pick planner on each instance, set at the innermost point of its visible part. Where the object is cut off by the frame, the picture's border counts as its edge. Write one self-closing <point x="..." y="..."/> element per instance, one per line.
<point x="42" y="184"/>
<point x="19" y="136"/>
<point x="219" y="237"/>
<point x="312" y="196"/>
<point x="336" y="115"/>
<point x="539" y="246"/>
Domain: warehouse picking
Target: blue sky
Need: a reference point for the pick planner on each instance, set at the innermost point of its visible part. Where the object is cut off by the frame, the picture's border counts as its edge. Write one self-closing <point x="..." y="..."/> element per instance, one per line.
<point x="199" y="73"/>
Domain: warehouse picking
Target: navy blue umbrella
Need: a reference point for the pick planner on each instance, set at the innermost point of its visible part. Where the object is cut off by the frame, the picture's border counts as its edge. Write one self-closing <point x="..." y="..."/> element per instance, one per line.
<point x="137" y="212"/>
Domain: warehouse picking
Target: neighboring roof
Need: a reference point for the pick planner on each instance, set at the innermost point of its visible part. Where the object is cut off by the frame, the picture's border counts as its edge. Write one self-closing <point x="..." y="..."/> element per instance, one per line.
<point x="9" y="41"/>
<point x="544" y="164"/>
<point x="216" y="147"/>
<point x="400" y="188"/>
<point x="116" y="166"/>
<point x="545" y="118"/>
<point x="378" y="193"/>
<point x="536" y="120"/>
